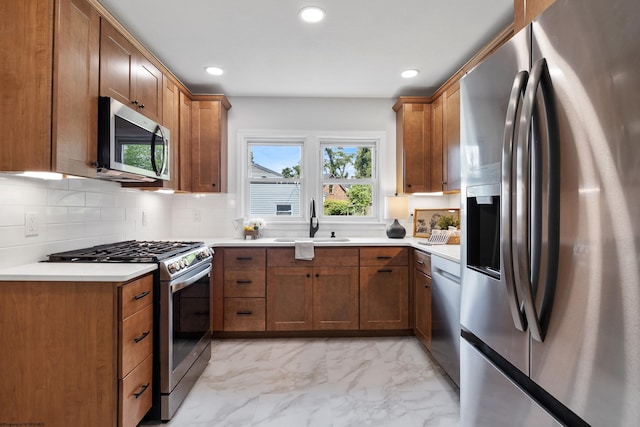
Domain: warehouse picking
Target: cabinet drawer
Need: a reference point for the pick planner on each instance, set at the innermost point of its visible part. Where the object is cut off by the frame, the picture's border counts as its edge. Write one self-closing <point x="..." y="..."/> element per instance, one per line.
<point x="323" y="257"/>
<point x="135" y="394"/>
<point x="245" y="283"/>
<point x="244" y="257"/>
<point x="383" y="255"/>
<point x="244" y="314"/>
<point x="136" y="339"/>
<point x="135" y="295"/>
<point x="422" y="262"/>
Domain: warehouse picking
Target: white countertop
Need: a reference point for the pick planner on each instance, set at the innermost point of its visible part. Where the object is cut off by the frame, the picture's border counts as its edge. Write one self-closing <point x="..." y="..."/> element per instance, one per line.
<point x="117" y="272"/>
<point x="450" y="252"/>
<point x="75" y="272"/>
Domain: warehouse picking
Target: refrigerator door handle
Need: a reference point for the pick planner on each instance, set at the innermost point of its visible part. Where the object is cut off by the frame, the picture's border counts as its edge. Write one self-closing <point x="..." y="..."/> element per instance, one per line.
<point x="528" y="229"/>
<point x="506" y="215"/>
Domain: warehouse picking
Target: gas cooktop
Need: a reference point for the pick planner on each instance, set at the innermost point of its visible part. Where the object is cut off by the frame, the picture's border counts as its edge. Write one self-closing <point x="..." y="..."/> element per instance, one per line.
<point x="127" y="251"/>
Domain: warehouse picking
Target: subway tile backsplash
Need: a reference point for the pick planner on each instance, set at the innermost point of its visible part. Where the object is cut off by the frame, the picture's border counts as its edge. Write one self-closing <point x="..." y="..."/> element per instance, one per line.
<point x="74" y="213"/>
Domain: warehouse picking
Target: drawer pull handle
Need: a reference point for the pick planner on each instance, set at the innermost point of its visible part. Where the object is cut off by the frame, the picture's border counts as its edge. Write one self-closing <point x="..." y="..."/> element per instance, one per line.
<point x="142" y="295"/>
<point x="247" y="258"/>
<point x="244" y="313"/>
<point x="420" y="262"/>
<point x="141" y="337"/>
<point x="386" y="270"/>
<point x="426" y="286"/>
<point x="384" y="257"/>
<point x="144" y="388"/>
<point x="243" y="282"/>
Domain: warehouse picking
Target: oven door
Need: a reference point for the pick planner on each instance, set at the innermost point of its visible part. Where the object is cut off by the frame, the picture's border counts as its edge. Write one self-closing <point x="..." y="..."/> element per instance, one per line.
<point x="185" y="313"/>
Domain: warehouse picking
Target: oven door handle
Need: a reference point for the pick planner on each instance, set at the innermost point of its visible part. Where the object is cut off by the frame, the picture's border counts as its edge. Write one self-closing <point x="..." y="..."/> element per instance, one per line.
<point x="175" y="287"/>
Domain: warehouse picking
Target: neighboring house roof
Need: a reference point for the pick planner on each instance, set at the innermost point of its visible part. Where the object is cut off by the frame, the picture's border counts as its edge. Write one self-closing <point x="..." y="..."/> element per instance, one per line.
<point x="258" y="170"/>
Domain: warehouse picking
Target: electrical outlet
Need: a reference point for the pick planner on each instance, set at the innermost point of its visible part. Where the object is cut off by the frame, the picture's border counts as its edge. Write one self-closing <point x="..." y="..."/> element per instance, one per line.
<point x="145" y="219"/>
<point x="196" y="215"/>
<point x="31" y="222"/>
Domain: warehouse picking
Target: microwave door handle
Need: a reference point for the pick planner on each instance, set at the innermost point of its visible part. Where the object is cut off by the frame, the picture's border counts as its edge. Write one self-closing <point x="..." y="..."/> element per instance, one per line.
<point x="517" y="92"/>
<point x="538" y="321"/>
<point x="153" y="151"/>
<point x="165" y="151"/>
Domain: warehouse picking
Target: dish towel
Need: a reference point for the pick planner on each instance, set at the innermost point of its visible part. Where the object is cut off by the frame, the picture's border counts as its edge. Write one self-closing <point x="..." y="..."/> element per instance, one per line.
<point x="304" y="249"/>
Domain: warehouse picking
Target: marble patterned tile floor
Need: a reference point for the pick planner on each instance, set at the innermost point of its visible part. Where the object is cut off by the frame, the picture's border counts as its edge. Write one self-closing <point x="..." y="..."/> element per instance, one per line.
<point x="323" y="382"/>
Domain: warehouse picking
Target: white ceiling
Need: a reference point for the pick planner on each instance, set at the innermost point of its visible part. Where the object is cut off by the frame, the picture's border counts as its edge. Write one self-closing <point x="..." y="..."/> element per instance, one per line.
<point x="358" y="51"/>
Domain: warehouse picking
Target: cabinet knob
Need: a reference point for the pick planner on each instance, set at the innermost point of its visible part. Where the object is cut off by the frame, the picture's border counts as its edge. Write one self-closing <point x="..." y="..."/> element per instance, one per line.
<point x="213" y="184"/>
<point x="317" y="275"/>
<point x="135" y="102"/>
<point x="141" y="106"/>
<point x="444" y="182"/>
<point x="308" y="275"/>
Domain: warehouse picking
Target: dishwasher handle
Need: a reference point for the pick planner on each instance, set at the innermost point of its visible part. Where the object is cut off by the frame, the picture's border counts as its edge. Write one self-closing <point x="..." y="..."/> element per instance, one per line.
<point x="446" y="275"/>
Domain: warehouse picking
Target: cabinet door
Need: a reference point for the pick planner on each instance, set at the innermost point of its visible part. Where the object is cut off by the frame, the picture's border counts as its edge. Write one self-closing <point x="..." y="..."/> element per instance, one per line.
<point x="451" y="139"/>
<point x="75" y="88"/>
<point x="526" y="11"/>
<point x="26" y="29"/>
<point x="422" y="307"/>
<point x="185" y="143"/>
<point x="117" y="64"/>
<point x="384" y="297"/>
<point x="436" y="145"/>
<point x="414" y="151"/>
<point x="335" y="298"/>
<point x="208" y="147"/>
<point x="171" y="120"/>
<point x="148" y="89"/>
<point x="289" y="299"/>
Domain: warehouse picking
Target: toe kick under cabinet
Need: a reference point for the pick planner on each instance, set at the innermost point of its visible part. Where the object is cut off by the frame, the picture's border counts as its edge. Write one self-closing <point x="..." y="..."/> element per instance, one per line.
<point x="76" y="353"/>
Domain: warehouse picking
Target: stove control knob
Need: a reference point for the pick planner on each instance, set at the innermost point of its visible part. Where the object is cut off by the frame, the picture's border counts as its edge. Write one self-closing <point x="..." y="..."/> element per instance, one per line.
<point x="172" y="268"/>
<point x="183" y="263"/>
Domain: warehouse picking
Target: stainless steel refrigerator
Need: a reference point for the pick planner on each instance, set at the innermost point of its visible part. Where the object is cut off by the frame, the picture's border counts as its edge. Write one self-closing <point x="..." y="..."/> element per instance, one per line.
<point x="550" y="202"/>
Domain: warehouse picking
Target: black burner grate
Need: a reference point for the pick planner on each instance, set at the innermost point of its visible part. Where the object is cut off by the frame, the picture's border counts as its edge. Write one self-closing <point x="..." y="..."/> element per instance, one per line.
<point x="127" y="251"/>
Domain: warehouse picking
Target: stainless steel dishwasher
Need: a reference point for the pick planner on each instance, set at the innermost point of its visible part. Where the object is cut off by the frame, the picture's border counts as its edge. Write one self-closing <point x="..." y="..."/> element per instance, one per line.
<point x="445" y="315"/>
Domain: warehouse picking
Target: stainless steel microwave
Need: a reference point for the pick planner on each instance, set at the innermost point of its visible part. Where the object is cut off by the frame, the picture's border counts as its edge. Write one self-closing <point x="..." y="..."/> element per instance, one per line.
<point x="131" y="147"/>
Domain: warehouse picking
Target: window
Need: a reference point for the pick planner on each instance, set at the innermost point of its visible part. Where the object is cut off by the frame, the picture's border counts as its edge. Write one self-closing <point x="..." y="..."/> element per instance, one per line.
<point x="348" y="178"/>
<point x="283" y="209"/>
<point x="282" y="174"/>
<point x="275" y="174"/>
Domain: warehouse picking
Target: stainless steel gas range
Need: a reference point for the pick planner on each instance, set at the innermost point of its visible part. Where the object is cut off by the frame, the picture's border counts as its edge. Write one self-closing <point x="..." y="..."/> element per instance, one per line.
<point x="182" y="344"/>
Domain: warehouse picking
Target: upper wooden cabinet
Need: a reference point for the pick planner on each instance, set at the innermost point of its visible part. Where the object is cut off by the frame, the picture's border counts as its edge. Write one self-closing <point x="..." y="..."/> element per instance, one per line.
<point x="185" y="107"/>
<point x="436" y="145"/>
<point x="209" y="144"/>
<point x="126" y="75"/>
<point x="451" y="138"/>
<point x="49" y="86"/>
<point x="525" y="11"/>
<point x="413" y="145"/>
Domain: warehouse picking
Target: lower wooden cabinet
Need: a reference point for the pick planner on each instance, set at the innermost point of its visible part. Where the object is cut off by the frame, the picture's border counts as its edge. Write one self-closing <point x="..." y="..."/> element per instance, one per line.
<point x="341" y="289"/>
<point x="384" y="288"/>
<point x="72" y="361"/>
<point x="244" y="289"/>
<point x="384" y="298"/>
<point x="244" y="314"/>
<point x="289" y="299"/>
<point x="321" y="294"/>
<point x="422" y="297"/>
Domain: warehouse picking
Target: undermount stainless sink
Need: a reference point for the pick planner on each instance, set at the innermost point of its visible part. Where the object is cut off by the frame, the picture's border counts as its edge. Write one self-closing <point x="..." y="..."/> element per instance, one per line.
<point x="315" y="239"/>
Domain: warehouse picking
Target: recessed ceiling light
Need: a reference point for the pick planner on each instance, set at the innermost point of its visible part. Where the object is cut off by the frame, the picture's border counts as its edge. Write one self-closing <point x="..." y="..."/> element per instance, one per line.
<point x="214" y="71"/>
<point x="408" y="74"/>
<point x="312" y="14"/>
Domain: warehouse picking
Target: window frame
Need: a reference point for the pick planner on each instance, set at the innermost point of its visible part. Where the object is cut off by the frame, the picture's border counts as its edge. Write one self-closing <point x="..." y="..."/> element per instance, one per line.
<point x="311" y="179"/>
<point x="373" y="181"/>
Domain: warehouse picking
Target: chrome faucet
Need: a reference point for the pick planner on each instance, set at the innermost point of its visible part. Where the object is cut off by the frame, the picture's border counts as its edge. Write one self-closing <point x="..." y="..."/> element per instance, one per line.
<point x="313" y="224"/>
